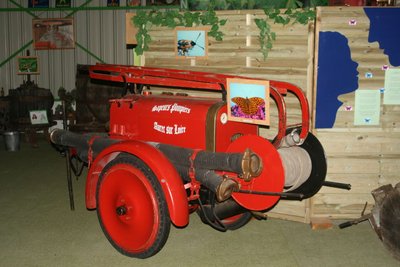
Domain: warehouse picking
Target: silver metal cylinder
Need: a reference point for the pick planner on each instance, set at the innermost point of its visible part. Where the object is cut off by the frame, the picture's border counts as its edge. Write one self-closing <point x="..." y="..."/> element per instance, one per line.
<point x="292" y="139"/>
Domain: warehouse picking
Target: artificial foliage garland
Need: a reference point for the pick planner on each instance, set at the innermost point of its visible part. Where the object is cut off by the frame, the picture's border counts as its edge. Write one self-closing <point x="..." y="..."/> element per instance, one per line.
<point x="267" y="37"/>
<point x="173" y="18"/>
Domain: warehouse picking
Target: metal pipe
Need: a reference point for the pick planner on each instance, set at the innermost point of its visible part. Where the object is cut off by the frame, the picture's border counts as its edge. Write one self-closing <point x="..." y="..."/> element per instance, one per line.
<point x="248" y="164"/>
<point x="337" y="185"/>
<point x="297" y="196"/>
<point x="232" y="162"/>
<point x="222" y="187"/>
<point x="68" y="163"/>
<point x="180" y="158"/>
<point x="81" y="142"/>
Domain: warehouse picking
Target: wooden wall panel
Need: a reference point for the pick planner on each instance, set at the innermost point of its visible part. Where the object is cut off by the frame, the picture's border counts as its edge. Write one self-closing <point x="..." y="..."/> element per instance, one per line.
<point x="364" y="156"/>
<point x="239" y="53"/>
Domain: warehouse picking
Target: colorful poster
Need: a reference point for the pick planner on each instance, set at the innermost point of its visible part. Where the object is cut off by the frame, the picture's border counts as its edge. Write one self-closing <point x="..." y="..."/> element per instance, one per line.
<point x="367" y="107"/>
<point x="38" y="3"/>
<point x="112" y="3"/>
<point x="53" y="33"/>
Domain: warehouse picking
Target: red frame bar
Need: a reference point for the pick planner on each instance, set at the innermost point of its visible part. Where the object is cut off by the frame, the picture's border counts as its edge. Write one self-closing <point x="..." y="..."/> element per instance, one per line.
<point x="205" y="81"/>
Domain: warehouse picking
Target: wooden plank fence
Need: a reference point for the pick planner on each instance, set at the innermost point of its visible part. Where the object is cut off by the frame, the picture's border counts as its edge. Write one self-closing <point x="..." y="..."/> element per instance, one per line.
<point x="366" y="157"/>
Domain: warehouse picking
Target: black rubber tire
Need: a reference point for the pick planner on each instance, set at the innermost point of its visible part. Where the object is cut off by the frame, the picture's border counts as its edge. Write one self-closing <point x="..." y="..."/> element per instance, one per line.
<point x="231" y="223"/>
<point x="112" y="228"/>
<point x="238" y="223"/>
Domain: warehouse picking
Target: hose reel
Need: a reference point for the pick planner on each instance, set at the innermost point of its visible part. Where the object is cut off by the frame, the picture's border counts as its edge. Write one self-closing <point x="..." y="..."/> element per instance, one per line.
<point x="297" y="164"/>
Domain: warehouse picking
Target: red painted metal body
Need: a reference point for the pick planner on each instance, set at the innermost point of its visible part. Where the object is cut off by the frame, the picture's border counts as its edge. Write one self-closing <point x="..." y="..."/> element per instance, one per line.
<point x="198" y="123"/>
<point x="175" y="120"/>
<point x="205" y="81"/>
<point x="167" y="155"/>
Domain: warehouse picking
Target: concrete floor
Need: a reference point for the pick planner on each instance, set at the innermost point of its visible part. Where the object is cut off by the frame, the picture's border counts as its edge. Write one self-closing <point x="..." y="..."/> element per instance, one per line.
<point x="37" y="228"/>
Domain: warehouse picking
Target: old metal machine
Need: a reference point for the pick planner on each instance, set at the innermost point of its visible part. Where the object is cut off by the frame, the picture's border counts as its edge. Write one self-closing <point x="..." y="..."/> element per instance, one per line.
<point x="168" y="155"/>
<point x="384" y="217"/>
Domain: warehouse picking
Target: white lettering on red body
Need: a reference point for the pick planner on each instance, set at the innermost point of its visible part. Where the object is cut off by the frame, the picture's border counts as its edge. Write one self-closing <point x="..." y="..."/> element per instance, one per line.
<point x="173" y="130"/>
<point x="158" y="127"/>
<point x="158" y="108"/>
<point x="180" y="109"/>
<point x="179" y="129"/>
<point x="168" y="129"/>
<point x="171" y="108"/>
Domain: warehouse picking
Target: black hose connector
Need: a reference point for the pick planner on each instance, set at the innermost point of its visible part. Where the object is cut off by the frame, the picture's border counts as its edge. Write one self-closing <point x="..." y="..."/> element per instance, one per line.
<point x="81" y="142"/>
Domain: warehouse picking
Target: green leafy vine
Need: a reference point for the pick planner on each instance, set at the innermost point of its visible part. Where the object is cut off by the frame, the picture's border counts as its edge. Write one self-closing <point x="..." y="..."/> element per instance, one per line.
<point x="267" y="37"/>
<point x="143" y="20"/>
<point x="172" y="18"/>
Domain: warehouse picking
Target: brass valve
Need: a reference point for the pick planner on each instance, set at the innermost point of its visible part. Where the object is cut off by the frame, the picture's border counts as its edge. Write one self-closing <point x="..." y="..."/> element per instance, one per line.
<point x="251" y="165"/>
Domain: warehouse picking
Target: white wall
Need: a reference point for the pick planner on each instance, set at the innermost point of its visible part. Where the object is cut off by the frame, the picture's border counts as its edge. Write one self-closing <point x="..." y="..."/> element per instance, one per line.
<point x="102" y="32"/>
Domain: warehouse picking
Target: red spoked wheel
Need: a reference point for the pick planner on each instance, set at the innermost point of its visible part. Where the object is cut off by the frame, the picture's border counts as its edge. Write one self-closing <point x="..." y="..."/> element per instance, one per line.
<point x="131" y="207"/>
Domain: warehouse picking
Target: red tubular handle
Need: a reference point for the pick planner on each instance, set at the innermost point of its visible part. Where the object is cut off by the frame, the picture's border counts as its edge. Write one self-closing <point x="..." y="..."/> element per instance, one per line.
<point x="280" y="103"/>
<point x="202" y="80"/>
<point x="305" y="113"/>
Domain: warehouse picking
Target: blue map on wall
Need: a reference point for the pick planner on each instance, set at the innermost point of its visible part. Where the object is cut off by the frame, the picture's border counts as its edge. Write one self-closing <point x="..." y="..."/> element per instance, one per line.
<point x="385" y="29"/>
<point x="337" y="75"/>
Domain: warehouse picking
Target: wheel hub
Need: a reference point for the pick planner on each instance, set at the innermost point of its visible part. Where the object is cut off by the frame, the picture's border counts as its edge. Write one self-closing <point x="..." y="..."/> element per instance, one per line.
<point x="121" y="210"/>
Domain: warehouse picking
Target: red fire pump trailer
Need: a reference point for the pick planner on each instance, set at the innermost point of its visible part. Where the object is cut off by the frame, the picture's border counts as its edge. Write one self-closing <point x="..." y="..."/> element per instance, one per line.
<point x="166" y="156"/>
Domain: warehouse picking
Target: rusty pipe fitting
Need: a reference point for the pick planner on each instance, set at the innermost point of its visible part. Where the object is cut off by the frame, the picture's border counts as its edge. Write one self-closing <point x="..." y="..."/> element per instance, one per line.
<point x="226" y="188"/>
<point x="252" y="165"/>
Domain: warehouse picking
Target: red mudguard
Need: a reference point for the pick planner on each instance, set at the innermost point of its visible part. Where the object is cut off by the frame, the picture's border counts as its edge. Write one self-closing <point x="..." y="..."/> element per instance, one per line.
<point x="165" y="172"/>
